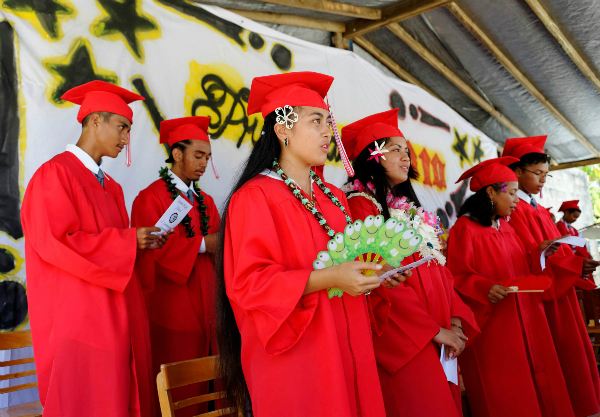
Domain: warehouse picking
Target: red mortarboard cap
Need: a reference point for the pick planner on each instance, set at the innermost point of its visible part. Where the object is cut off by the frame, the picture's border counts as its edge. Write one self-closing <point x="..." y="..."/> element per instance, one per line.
<point x="293" y="89"/>
<point x="570" y="205"/>
<point x="490" y="172"/>
<point x="101" y="96"/>
<point x="358" y="135"/>
<point x="184" y="128"/>
<point x="517" y="147"/>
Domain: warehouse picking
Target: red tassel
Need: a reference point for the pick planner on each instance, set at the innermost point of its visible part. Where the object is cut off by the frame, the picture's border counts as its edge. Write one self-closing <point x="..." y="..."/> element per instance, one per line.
<point x="340" y="145"/>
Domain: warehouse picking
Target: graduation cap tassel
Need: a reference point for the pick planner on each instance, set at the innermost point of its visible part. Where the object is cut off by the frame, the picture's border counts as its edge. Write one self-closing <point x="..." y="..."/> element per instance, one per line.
<point x="128" y="151"/>
<point x="212" y="162"/>
<point x="340" y="145"/>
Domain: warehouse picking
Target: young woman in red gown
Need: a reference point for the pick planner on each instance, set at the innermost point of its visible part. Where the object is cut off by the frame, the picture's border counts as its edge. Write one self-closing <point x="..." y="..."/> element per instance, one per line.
<point x="426" y="311"/>
<point x="511" y="369"/>
<point x="286" y="349"/>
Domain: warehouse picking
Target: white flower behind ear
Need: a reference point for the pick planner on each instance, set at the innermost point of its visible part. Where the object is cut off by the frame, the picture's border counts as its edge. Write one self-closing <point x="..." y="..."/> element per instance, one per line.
<point x="286" y="116"/>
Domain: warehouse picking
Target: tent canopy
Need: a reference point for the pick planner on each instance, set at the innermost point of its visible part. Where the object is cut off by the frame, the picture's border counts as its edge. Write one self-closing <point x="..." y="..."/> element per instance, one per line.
<point x="512" y="68"/>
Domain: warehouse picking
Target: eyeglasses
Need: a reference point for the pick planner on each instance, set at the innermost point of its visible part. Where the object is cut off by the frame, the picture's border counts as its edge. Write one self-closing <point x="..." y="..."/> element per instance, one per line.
<point x="539" y="174"/>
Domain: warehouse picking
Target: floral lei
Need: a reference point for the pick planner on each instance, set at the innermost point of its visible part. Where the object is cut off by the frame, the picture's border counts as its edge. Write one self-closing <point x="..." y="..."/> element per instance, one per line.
<point x="426" y="223"/>
<point x="187" y="220"/>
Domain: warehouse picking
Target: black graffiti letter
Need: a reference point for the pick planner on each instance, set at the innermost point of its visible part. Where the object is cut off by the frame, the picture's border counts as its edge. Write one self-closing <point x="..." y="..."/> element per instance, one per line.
<point x="10" y="221"/>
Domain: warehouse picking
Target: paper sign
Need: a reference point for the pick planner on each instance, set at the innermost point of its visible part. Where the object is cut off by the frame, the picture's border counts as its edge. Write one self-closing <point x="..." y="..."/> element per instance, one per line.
<point x="569" y="240"/>
<point x="450" y="367"/>
<point x="404" y="268"/>
<point x="174" y="215"/>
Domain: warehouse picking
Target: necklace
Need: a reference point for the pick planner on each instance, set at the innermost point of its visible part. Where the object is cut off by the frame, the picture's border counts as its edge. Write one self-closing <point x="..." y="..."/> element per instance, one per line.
<point x="187" y="220"/>
<point x="310" y="204"/>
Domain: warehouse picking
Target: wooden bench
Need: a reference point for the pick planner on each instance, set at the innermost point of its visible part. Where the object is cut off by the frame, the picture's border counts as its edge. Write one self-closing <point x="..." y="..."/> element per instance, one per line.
<point x="18" y="340"/>
<point x="180" y="374"/>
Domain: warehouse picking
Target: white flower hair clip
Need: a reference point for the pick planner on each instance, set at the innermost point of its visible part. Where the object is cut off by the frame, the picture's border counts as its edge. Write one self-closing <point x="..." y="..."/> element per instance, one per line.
<point x="286" y="115"/>
<point x="379" y="151"/>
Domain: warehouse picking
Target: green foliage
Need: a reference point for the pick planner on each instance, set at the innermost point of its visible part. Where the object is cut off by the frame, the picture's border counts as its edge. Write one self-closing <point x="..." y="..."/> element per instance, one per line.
<point x="593" y="172"/>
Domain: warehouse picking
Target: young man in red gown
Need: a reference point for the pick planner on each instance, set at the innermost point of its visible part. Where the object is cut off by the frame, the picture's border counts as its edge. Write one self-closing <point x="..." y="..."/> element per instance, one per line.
<point x="178" y="279"/>
<point x="533" y="224"/>
<point x="88" y="320"/>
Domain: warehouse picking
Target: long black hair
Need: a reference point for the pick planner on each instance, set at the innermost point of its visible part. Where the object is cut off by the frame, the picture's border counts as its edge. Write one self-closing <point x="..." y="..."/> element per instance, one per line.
<point x="366" y="170"/>
<point x="229" y="340"/>
<point x="479" y="206"/>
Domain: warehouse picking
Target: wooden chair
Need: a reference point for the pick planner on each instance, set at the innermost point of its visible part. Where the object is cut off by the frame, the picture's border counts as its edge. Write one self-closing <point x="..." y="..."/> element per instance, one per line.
<point x="18" y="340"/>
<point x="180" y="374"/>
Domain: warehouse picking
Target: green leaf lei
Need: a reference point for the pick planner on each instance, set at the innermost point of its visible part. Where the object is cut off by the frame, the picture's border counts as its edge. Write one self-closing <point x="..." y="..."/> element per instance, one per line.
<point x="310" y="205"/>
<point x="187" y="220"/>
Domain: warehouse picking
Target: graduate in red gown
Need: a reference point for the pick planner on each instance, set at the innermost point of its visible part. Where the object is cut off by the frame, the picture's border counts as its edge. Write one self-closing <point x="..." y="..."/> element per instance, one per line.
<point x="532" y="224"/>
<point x="179" y="278"/>
<point x="426" y="312"/>
<point x="88" y="320"/>
<point x="571" y="213"/>
<point x="281" y="339"/>
<point x="511" y="369"/>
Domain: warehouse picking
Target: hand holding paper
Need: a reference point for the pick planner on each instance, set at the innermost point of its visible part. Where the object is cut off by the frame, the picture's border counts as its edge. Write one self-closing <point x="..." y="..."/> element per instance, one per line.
<point x="151" y="238"/>
<point x="174" y="215"/>
<point x="405" y="268"/>
<point x="450" y="367"/>
<point x="569" y="240"/>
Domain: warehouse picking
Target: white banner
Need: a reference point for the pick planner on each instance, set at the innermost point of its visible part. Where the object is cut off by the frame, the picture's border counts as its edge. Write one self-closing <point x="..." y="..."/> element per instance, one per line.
<point x="192" y="60"/>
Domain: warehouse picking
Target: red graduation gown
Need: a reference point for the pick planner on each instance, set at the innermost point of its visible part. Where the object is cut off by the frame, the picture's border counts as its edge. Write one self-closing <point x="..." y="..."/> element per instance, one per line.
<point x="178" y="282"/>
<point x="511" y="369"/>
<point x="88" y="321"/>
<point x="408" y="360"/>
<point x="564" y="230"/>
<point x="569" y="333"/>
<point x="302" y="355"/>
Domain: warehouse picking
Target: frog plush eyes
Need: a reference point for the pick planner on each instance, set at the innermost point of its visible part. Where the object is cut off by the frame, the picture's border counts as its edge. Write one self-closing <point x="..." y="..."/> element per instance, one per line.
<point x="391" y="223"/>
<point x="399" y="227"/>
<point x="323" y="260"/>
<point x="378" y="220"/>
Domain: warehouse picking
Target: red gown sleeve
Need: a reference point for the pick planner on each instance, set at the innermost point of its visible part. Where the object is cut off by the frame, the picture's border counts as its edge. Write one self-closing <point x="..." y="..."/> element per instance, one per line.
<point x="563" y="268"/>
<point x="176" y="259"/>
<point x="378" y="301"/>
<point x="269" y="293"/>
<point x="52" y="225"/>
<point x="460" y="260"/>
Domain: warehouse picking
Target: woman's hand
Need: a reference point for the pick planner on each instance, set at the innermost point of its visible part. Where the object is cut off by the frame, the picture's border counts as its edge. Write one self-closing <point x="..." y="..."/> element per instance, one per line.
<point x="394" y="280"/>
<point x="454" y="341"/>
<point x="346" y="276"/>
<point x="497" y="293"/>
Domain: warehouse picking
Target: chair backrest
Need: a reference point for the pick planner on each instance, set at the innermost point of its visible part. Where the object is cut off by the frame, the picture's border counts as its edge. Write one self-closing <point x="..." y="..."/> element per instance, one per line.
<point x="16" y="340"/>
<point x="179" y="374"/>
